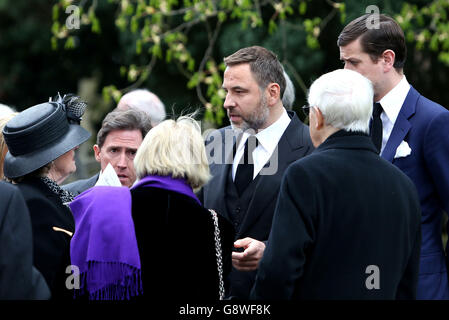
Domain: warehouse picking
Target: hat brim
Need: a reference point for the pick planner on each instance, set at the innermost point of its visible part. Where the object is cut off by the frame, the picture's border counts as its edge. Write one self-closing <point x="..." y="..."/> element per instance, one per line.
<point x="21" y="165"/>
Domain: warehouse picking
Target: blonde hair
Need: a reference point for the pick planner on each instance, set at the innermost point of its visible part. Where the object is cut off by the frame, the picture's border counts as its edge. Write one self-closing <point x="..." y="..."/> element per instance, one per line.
<point x="174" y="148"/>
<point x="3" y="147"/>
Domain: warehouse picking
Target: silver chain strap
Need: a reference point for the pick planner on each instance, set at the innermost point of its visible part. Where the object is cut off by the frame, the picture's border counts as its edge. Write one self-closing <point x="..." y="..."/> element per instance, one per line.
<point x="218" y="254"/>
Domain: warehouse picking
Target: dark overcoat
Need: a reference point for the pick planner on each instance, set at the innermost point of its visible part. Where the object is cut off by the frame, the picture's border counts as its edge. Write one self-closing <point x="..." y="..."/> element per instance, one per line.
<point x="19" y="280"/>
<point x="175" y="236"/>
<point x="50" y="221"/>
<point x="347" y="226"/>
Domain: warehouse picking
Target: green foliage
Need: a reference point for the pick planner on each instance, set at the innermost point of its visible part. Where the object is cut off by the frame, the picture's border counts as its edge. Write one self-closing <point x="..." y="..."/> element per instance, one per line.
<point x="427" y="26"/>
<point x="162" y="29"/>
<point x="189" y="38"/>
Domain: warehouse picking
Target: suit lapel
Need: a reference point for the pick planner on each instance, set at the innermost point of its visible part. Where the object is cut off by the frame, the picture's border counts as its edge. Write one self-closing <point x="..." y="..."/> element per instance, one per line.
<point x="401" y="126"/>
<point x="291" y="147"/>
<point x="220" y="171"/>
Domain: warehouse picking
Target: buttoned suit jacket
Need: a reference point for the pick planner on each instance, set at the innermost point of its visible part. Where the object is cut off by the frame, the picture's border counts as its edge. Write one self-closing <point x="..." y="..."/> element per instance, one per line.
<point x="424" y="125"/>
<point x="294" y="144"/>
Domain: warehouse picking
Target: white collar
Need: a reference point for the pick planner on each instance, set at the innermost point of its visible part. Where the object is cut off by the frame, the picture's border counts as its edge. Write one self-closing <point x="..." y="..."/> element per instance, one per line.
<point x="392" y="102"/>
<point x="269" y="137"/>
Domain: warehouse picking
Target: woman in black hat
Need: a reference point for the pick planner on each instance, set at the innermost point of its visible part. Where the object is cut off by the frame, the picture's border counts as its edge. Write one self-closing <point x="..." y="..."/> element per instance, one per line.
<point x="41" y="141"/>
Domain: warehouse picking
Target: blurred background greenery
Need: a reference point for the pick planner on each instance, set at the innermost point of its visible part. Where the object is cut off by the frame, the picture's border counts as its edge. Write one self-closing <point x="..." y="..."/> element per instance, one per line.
<point x="175" y="48"/>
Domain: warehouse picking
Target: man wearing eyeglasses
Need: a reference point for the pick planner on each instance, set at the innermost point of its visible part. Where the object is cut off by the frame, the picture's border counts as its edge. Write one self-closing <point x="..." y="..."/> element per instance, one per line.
<point x="347" y="222"/>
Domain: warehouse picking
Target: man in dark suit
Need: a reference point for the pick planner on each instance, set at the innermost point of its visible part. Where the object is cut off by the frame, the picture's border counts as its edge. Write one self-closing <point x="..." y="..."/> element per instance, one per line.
<point x="247" y="161"/>
<point x="121" y="134"/>
<point x="347" y="222"/>
<point x="409" y="130"/>
<point x="19" y="279"/>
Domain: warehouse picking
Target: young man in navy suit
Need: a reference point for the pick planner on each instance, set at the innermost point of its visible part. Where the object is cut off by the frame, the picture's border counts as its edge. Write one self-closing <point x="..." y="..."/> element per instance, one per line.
<point x="409" y="130"/>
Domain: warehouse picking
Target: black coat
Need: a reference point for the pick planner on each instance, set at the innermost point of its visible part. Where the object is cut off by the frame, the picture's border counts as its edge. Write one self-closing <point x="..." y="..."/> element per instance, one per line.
<point x="176" y="243"/>
<point x="341" y="211"/>
<point x="294" y="144"/>
<point x="51" y="248"/>
<point x="18" y="278"/>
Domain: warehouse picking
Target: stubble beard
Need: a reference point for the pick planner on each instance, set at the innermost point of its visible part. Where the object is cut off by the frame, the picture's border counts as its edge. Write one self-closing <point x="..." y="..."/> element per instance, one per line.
<point x="256" y="119"/>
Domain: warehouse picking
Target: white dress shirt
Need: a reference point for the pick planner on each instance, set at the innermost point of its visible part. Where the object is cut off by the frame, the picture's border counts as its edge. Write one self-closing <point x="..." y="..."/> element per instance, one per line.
<point x="268" y="139"/>
<point x="391" y="104"/>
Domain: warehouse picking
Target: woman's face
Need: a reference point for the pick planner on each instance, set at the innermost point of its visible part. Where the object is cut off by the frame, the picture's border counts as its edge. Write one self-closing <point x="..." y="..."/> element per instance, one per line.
<point x="63" y="166"/>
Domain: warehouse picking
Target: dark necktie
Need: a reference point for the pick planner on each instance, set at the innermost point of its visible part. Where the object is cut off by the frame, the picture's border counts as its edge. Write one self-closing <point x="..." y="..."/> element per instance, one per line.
<point x="245" y="169"/>
<point x="376" y="126"/>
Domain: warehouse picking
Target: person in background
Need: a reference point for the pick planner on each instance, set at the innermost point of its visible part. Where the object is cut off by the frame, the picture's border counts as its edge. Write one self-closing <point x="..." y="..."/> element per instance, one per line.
<point x="408" y="130"/>
<point x="4" y="110"/>
<point x="41" y="144"/>
<point x="144" y="100"/>
<point x="19" y="279"/>
<point x="288" y="97"/>
<point x="4" y="118"/>
<point x="347" y="223"/>
<point x="157" y="231"/>
<point x="121" y="134"/>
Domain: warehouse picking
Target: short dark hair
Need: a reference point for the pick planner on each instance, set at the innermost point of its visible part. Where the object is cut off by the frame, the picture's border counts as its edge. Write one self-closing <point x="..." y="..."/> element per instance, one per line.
<point x="263" y="63"/>
<point x="375" y="41"/>
<point x="130" y="119"/>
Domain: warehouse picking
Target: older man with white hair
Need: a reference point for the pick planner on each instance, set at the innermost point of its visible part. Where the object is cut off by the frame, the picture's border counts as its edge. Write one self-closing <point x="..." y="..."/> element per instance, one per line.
<point x="347" y="222"/>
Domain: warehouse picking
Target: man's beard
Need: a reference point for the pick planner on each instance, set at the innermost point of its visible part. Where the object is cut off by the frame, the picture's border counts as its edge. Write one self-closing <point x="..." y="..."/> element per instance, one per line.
<point x="256" y="119"/>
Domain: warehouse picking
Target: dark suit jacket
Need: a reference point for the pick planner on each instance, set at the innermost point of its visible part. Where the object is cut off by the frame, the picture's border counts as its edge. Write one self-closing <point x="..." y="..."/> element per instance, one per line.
<point x="82" y="185"/>
<point x="294" y="144"/>
<point x="51" y="248"/>
<point x="424" y="125"/>
<point x="175" y="236"/>
<point x="343" y="212"/>
<point x="18" y="278"/>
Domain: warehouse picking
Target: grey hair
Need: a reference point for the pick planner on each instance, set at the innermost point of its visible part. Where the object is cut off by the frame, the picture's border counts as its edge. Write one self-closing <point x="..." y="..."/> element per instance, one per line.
<point x="345" y="99"/>
<point x="131" y="119"/>
<point x="289" y="94"/>
<point x="144" y="100"/>
<point x="4" y="109"/>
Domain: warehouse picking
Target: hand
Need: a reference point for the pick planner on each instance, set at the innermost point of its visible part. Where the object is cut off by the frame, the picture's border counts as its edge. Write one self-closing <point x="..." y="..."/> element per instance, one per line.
<point x="249" y="259"/>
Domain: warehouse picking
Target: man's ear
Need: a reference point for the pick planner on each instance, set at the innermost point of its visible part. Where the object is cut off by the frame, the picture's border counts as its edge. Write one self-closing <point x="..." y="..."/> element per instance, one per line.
<point x="319" y="123"/>
<point x="97" y="152"/>
<point x="388" y="57"/>
<point x="274" y="93"/>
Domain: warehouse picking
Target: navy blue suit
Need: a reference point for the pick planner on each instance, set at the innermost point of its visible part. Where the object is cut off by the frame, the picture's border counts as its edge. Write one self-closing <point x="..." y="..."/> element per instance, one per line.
<point x="424" y="125"/>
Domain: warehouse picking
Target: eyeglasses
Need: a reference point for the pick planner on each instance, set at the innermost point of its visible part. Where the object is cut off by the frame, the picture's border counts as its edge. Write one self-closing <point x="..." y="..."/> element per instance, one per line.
<point x="306" y="109"/>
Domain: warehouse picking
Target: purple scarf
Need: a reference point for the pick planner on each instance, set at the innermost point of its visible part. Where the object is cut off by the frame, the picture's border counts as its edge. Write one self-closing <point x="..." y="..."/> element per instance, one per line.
<point x="179" y="185"/>
<point x="104" y="246"/>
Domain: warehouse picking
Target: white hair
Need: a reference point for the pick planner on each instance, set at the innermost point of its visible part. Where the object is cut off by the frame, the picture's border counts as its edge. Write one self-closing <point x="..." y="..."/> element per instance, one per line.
<point x="5" y="110"/>
<point x="345" y="99"/>
<point x="289" y="93"/>
<point x="146" y="101"/>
